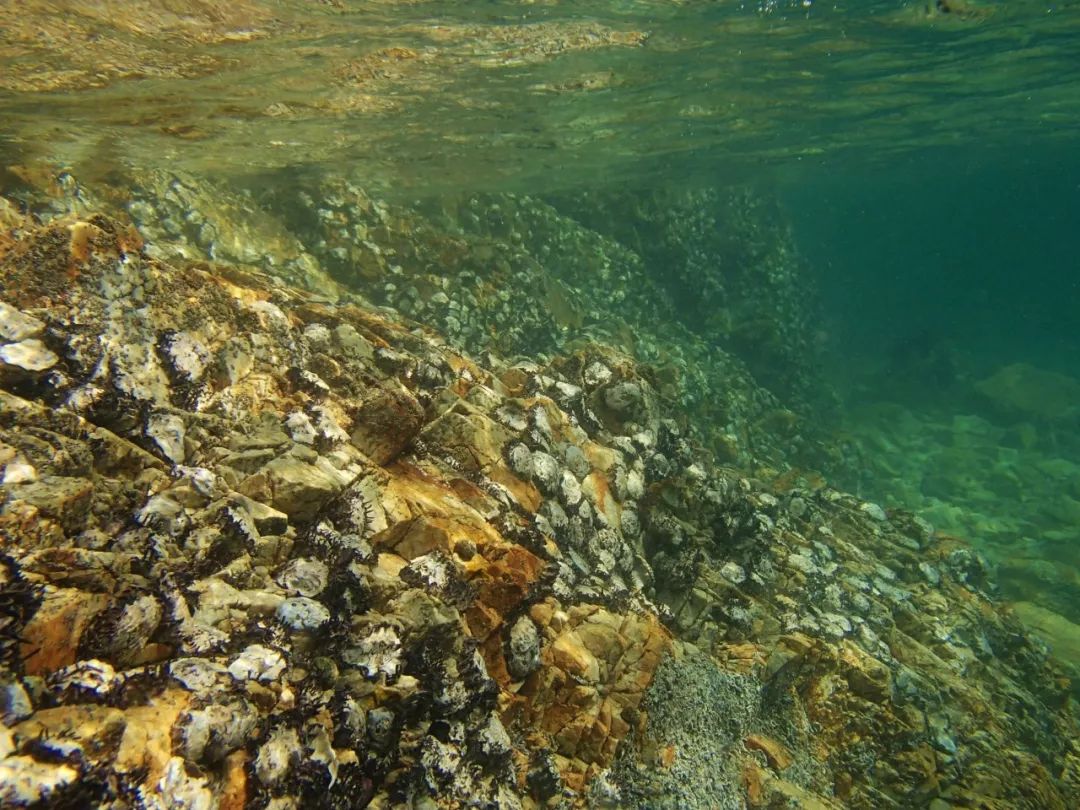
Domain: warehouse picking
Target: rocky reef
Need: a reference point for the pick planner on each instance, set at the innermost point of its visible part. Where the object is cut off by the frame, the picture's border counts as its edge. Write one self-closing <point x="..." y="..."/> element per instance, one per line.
<point x="514" y="275"/>
<point x="269" y="542"/>
<point x="994" y="459"/>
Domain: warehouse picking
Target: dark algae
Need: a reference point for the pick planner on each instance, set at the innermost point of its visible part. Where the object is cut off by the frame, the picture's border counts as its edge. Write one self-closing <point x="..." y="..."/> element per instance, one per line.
<point x="594" y="405"/>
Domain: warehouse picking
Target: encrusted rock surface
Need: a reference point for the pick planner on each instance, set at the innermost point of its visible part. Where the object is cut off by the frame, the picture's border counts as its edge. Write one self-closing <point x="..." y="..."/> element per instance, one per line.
<point x="524" y="275"/>
<point x="264" y="547"/>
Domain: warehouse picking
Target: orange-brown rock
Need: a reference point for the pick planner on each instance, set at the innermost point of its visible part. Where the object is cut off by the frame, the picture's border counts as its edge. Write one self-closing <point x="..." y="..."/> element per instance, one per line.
<point x="777" y="756"/>
<point x="598" y="665"/>
<point x="234" y="794"/>
<point x="51" y="639"/>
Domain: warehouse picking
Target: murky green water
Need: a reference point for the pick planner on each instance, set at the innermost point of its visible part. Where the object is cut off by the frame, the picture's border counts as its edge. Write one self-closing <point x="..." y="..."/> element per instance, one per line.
<point x="924" y="154"/>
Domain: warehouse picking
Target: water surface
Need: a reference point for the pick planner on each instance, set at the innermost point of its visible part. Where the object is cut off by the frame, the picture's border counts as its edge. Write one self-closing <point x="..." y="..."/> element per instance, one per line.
<point x="426" y="96"/>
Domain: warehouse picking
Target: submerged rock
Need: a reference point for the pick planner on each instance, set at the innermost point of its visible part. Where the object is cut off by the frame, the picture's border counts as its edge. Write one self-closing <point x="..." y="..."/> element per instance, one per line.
<point x="28" y="355"/>
<point x="16" y="326"/>
<point x="1029" y="391"/>
<point x="276" y="551"/>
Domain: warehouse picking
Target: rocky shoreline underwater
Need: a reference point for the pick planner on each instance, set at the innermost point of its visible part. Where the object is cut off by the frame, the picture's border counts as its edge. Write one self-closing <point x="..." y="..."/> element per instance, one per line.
<point x="267" y="541"/>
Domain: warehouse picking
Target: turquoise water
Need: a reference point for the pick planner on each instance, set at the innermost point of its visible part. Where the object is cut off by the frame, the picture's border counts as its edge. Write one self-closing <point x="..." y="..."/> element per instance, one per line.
<point x="977" y="249"/>
<point x="936" y="272"/>
<point x="922" y="154"/>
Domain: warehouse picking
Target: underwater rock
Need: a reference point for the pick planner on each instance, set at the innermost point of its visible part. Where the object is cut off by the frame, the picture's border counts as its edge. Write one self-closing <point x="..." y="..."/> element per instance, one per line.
<point x="300" y="428"/>
<point x="386" y="423"/>
<point x="90" y="681"/>
<point x="27" y="355"/>
<point x="1024" y="389"/>
<point x="569" y="490"/>
<point x="874" y="511"/>
<point x="17" y="326"/>
<point x="625" y="398"/>
<point x="596" y="374"/>
<point x="295" y="487"/>
<point x="122" y="632"/>
<point x="25" y="782"/>
<point x="520" y="458"/>
<point x="199" y="675"/>
<point x="512" y="583"/>
<point x="15" y="705"/>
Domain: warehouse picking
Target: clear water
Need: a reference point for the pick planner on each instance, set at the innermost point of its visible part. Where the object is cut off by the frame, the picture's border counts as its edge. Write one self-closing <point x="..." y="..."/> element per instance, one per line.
<point x="924" y="154"/>
<point x="937" y="271"/>
<point x="421" y="96"/>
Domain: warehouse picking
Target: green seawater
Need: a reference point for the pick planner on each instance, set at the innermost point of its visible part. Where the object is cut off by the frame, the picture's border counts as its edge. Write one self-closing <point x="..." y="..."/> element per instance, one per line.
<point x="950" y="310"/>
<point x="924" y="155"/>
